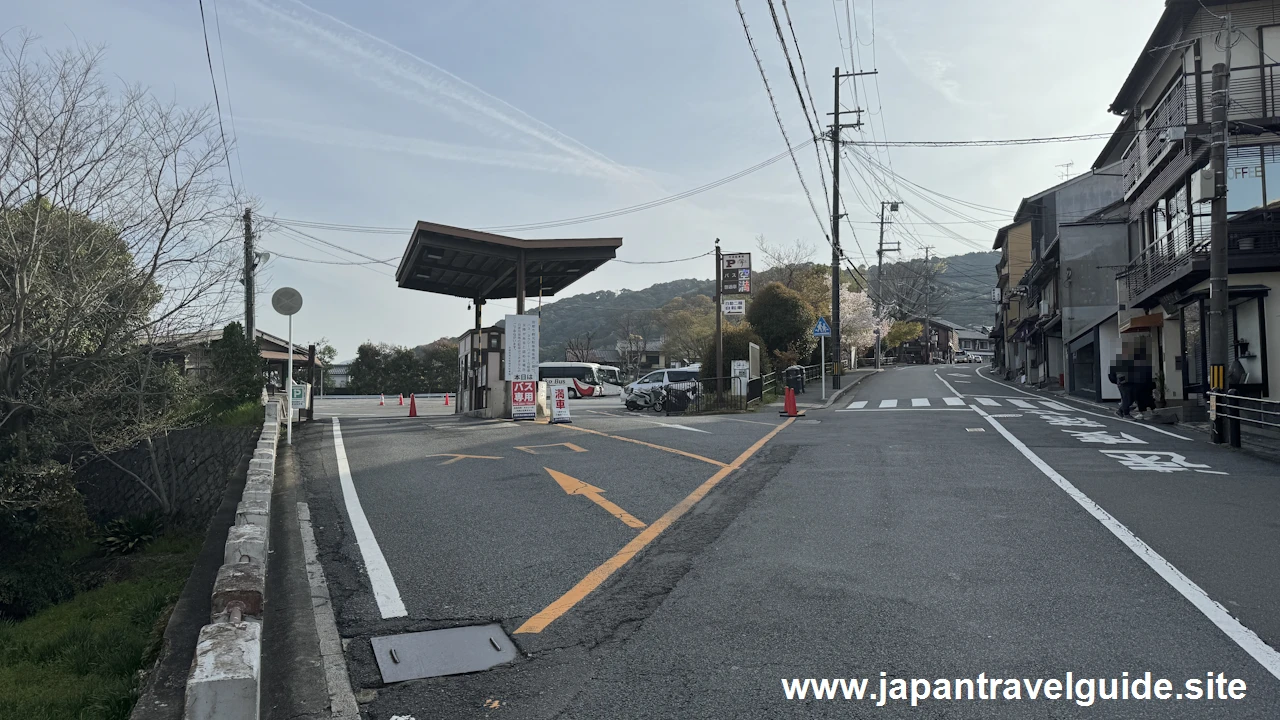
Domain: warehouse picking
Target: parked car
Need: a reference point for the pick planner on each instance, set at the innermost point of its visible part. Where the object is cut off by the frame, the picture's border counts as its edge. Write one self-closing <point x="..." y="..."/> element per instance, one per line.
<point x="683" y="378"/>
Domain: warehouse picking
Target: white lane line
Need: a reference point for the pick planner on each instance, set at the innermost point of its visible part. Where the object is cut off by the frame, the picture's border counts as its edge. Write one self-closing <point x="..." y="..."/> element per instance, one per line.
<point x="677" y="427"/>
<point x="919" y="402"/>
<point x="1022" y="404"/>
<point x="1054" y="405"/>
<point x="1109" y="416"/>
<point x="888" y="403"/>
<point x="953" y="401"/>
<point x="988" y="402"/>
<point x="375" y="565"/>
<point x="955" y="392"/>
<point x="908" y="409"/>
<point x="1217" y="614"/>
<point x="857" y="405"/>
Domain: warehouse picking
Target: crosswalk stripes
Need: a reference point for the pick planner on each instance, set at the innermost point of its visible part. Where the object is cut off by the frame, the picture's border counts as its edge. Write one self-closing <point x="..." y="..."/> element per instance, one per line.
<point x="954" y="402"/>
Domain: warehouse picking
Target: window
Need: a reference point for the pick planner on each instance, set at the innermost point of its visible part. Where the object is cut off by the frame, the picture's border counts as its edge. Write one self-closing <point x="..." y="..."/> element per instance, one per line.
<point x="579" y="372"/>
<point x="1244" y="178"/>
<point x="653" y="377"/>
<point x="681" y="375"/>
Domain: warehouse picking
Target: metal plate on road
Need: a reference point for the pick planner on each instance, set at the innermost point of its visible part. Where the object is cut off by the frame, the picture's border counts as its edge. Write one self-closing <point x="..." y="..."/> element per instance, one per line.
<point x="442" y="652"/>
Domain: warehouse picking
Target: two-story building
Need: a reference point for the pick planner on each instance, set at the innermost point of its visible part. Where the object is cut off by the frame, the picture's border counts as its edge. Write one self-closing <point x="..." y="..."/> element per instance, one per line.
<point x="1014" y="243"/>
<point x="1163" y="145"/>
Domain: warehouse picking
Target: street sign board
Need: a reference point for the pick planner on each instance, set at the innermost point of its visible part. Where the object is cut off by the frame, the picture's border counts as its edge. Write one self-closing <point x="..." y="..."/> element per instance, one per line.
<point x="822" y="329"/>
<point x="298" y="396"/>
<point x="522" y="348"/>
<point x="560" y="404"/>
<point x="286" y="301"/>
<point x="735" y="273"/>
<point x="734" y="307"/>
<point x="524" y="400"/>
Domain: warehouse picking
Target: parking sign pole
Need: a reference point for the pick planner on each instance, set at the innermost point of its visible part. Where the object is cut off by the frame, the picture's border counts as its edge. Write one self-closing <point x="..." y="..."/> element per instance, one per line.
<point x="719" y="329"/>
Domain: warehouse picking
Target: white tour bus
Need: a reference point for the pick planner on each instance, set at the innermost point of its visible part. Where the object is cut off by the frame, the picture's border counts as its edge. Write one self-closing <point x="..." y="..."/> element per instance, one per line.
<point x="583" y="379"/>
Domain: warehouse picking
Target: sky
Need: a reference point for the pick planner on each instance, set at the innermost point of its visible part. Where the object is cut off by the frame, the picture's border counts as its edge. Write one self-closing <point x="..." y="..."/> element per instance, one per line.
<point x="484" y="114"/>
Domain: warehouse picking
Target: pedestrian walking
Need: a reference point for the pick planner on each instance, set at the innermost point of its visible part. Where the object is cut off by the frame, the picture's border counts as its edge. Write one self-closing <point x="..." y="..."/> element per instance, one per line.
<point x="1121" y="369"/>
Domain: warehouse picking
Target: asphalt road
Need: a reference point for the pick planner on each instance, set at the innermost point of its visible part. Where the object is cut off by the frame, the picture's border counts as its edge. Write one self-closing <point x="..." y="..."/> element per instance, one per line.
<point x="931" y="524"/>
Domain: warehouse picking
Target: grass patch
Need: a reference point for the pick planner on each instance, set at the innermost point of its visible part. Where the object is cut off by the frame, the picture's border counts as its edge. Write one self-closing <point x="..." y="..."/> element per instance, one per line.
<point x="79" y="660"/>
<point x="249" y="414"/>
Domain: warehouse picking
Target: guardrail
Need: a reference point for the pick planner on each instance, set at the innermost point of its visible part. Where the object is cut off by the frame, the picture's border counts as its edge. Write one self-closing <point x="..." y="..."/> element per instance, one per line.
<point x="226" y="672"/>
<point x="1236" y="409"/>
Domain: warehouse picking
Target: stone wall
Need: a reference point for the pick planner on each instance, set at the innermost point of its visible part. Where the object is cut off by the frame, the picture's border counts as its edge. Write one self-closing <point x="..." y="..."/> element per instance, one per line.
<point x="198" y="460"/>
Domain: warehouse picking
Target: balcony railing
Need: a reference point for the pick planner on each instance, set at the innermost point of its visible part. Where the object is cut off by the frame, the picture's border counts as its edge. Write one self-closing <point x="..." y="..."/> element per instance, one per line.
<point x="1158" y="136"/>
<point x="1169" y="256"/>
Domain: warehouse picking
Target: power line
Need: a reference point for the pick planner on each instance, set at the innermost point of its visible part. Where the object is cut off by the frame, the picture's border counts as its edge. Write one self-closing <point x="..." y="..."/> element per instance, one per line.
<point x="769" y="91"/>
<point x="276" y="253"/>
<point x="226" y="86"/>
<point x="218" y="105"/>
<point x="604" y="215"/>
<point x="664" y="262"/>
<point x="786" y="54"/>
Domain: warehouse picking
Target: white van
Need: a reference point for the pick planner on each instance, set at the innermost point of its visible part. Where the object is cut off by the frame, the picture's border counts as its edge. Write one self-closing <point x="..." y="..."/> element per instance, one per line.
<point x="685" y="378"/>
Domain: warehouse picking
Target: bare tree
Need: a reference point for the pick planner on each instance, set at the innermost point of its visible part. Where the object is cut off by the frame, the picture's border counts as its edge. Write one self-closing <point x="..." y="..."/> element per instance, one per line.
<point x="116" y="235"/>
<point x="635" y="335"/>
<point x="580" y="348"/>
<point x="788" y="260"/>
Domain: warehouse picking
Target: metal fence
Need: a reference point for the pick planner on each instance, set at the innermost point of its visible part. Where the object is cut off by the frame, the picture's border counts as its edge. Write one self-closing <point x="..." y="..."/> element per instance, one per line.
<point x="1236" y="409"/>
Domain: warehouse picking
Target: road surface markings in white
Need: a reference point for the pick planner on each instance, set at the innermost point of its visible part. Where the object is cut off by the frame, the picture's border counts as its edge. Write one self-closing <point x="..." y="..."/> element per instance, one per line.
<point x="953" y="401"/>
<point x="1022" y="404"/>
<point x="962" y="382"/>
<point x="375" y="565"/>
<point x="919" y="402"/>
<point x="949" y="386"/>
<point x="957" y="375"/>
<point x="857" y="405"/>
<point x="1161" y="462"/>
<point x="1214" y="611"/>
<point x="987" y="401"/>
<point x="1109" y="416"/>
<point x="976" y="429"/>
<point x="1105" y="438"/>
<point x="888" y="403"/>
<point x="1055" y="406"/>
<point x="677" y="427"/>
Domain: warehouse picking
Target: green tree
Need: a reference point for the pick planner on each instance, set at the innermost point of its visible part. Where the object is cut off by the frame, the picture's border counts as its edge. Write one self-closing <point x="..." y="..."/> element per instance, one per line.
<point x="783" y="319"/>
<point x="737" y="341"/>
<point x="237" y="366"/>
<point x="440" y="364"/>
<point x="688" y="323"/>
<point x="326" y="355"/>
<point x="901" y="332"/>
<point x="368" y="372"/>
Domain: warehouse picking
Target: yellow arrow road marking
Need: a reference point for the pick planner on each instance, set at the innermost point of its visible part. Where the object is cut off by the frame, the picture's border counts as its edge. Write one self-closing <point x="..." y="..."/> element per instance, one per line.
<point x="455" y="457"/>
<point x="574" y="486"/>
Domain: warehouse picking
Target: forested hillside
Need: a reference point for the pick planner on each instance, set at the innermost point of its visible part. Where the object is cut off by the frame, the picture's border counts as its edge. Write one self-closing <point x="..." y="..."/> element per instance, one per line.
<point x="960" y="292"/>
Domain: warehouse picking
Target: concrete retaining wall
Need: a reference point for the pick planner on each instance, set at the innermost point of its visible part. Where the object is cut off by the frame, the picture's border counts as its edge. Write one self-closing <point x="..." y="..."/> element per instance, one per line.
<point x="226" y="672"/>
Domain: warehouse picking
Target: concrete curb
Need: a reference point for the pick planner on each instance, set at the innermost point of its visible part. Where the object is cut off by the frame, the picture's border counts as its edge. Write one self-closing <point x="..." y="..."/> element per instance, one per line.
<point x="225" y="681"/>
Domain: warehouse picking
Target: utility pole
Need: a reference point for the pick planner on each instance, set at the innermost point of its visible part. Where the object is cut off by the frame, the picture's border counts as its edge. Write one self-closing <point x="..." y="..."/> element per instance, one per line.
<point x="719" y="323"/>
<point x="836" y="127"/>
<point x="1218" y="266"/>
<point x="928" y="336"/>
<point x="249" y="263"/>
<point x="880" y="251"/>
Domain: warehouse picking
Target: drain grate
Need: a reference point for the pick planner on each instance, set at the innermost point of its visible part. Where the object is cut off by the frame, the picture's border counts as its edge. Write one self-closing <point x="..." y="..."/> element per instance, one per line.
<point x="442" y="652"/>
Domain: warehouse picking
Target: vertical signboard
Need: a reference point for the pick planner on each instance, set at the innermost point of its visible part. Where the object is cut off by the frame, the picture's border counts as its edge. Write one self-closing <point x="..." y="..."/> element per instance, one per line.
<point x="560" y="404"/>
<point x="524" y="400"/>
<point x="522" y="348"/>
<point x="735" y="274"/>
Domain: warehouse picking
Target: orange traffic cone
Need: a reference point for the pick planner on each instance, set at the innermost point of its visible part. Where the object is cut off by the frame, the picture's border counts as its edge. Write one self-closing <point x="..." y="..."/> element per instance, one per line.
<point x="382" y="399"/>
<point x="402" y="398"/>
<point x="413" y="405"/>
<point x="789" y="405"/>
<point x="446" y="399"/>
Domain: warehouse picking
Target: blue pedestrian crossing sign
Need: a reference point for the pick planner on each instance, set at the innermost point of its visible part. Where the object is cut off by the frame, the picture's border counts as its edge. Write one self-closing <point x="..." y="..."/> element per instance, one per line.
<point x="822" y="329"/>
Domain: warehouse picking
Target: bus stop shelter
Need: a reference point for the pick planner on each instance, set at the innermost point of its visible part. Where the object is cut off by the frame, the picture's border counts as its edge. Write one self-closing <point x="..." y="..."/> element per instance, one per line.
<point x="482" y="266"/>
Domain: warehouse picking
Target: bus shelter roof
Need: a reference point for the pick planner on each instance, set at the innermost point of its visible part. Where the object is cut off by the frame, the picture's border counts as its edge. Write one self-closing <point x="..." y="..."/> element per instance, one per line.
<point x="481" y="266"/>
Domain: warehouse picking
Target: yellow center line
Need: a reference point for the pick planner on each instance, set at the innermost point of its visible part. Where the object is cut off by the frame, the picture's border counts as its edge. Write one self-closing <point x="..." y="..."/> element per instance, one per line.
<point x="663" y="448"/>
<point x="550" y="613"/>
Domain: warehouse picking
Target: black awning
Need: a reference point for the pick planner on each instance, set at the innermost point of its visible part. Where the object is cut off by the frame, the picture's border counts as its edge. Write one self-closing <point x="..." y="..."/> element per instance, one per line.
<point x="478" y="265"/>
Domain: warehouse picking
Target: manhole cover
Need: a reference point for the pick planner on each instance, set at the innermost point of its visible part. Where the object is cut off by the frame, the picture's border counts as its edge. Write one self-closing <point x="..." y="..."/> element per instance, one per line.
<point x="442" y="652"/>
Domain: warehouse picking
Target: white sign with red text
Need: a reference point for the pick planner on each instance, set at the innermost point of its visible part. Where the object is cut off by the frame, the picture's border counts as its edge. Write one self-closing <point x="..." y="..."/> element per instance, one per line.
<point x="560" y="404"/>
<point x="524" y="400"/>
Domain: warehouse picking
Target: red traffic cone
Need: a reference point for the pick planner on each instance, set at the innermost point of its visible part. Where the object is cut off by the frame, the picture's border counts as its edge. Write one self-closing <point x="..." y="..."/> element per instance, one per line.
<point x="382" y="399"/>
<point x="402" y="398"/>
<point x="413" y="405"/>
<point x="446" y="399"/>
<point x="789" y="405"/>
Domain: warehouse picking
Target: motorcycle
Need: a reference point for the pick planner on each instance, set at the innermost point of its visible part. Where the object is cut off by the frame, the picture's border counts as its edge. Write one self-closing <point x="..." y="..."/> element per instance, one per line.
<point x="650" y="399"/>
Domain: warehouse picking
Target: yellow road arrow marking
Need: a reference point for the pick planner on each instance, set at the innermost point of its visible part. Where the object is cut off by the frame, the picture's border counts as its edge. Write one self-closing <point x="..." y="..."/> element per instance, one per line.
<point x="574" y="486"/>
<point x="455" y="457"/>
